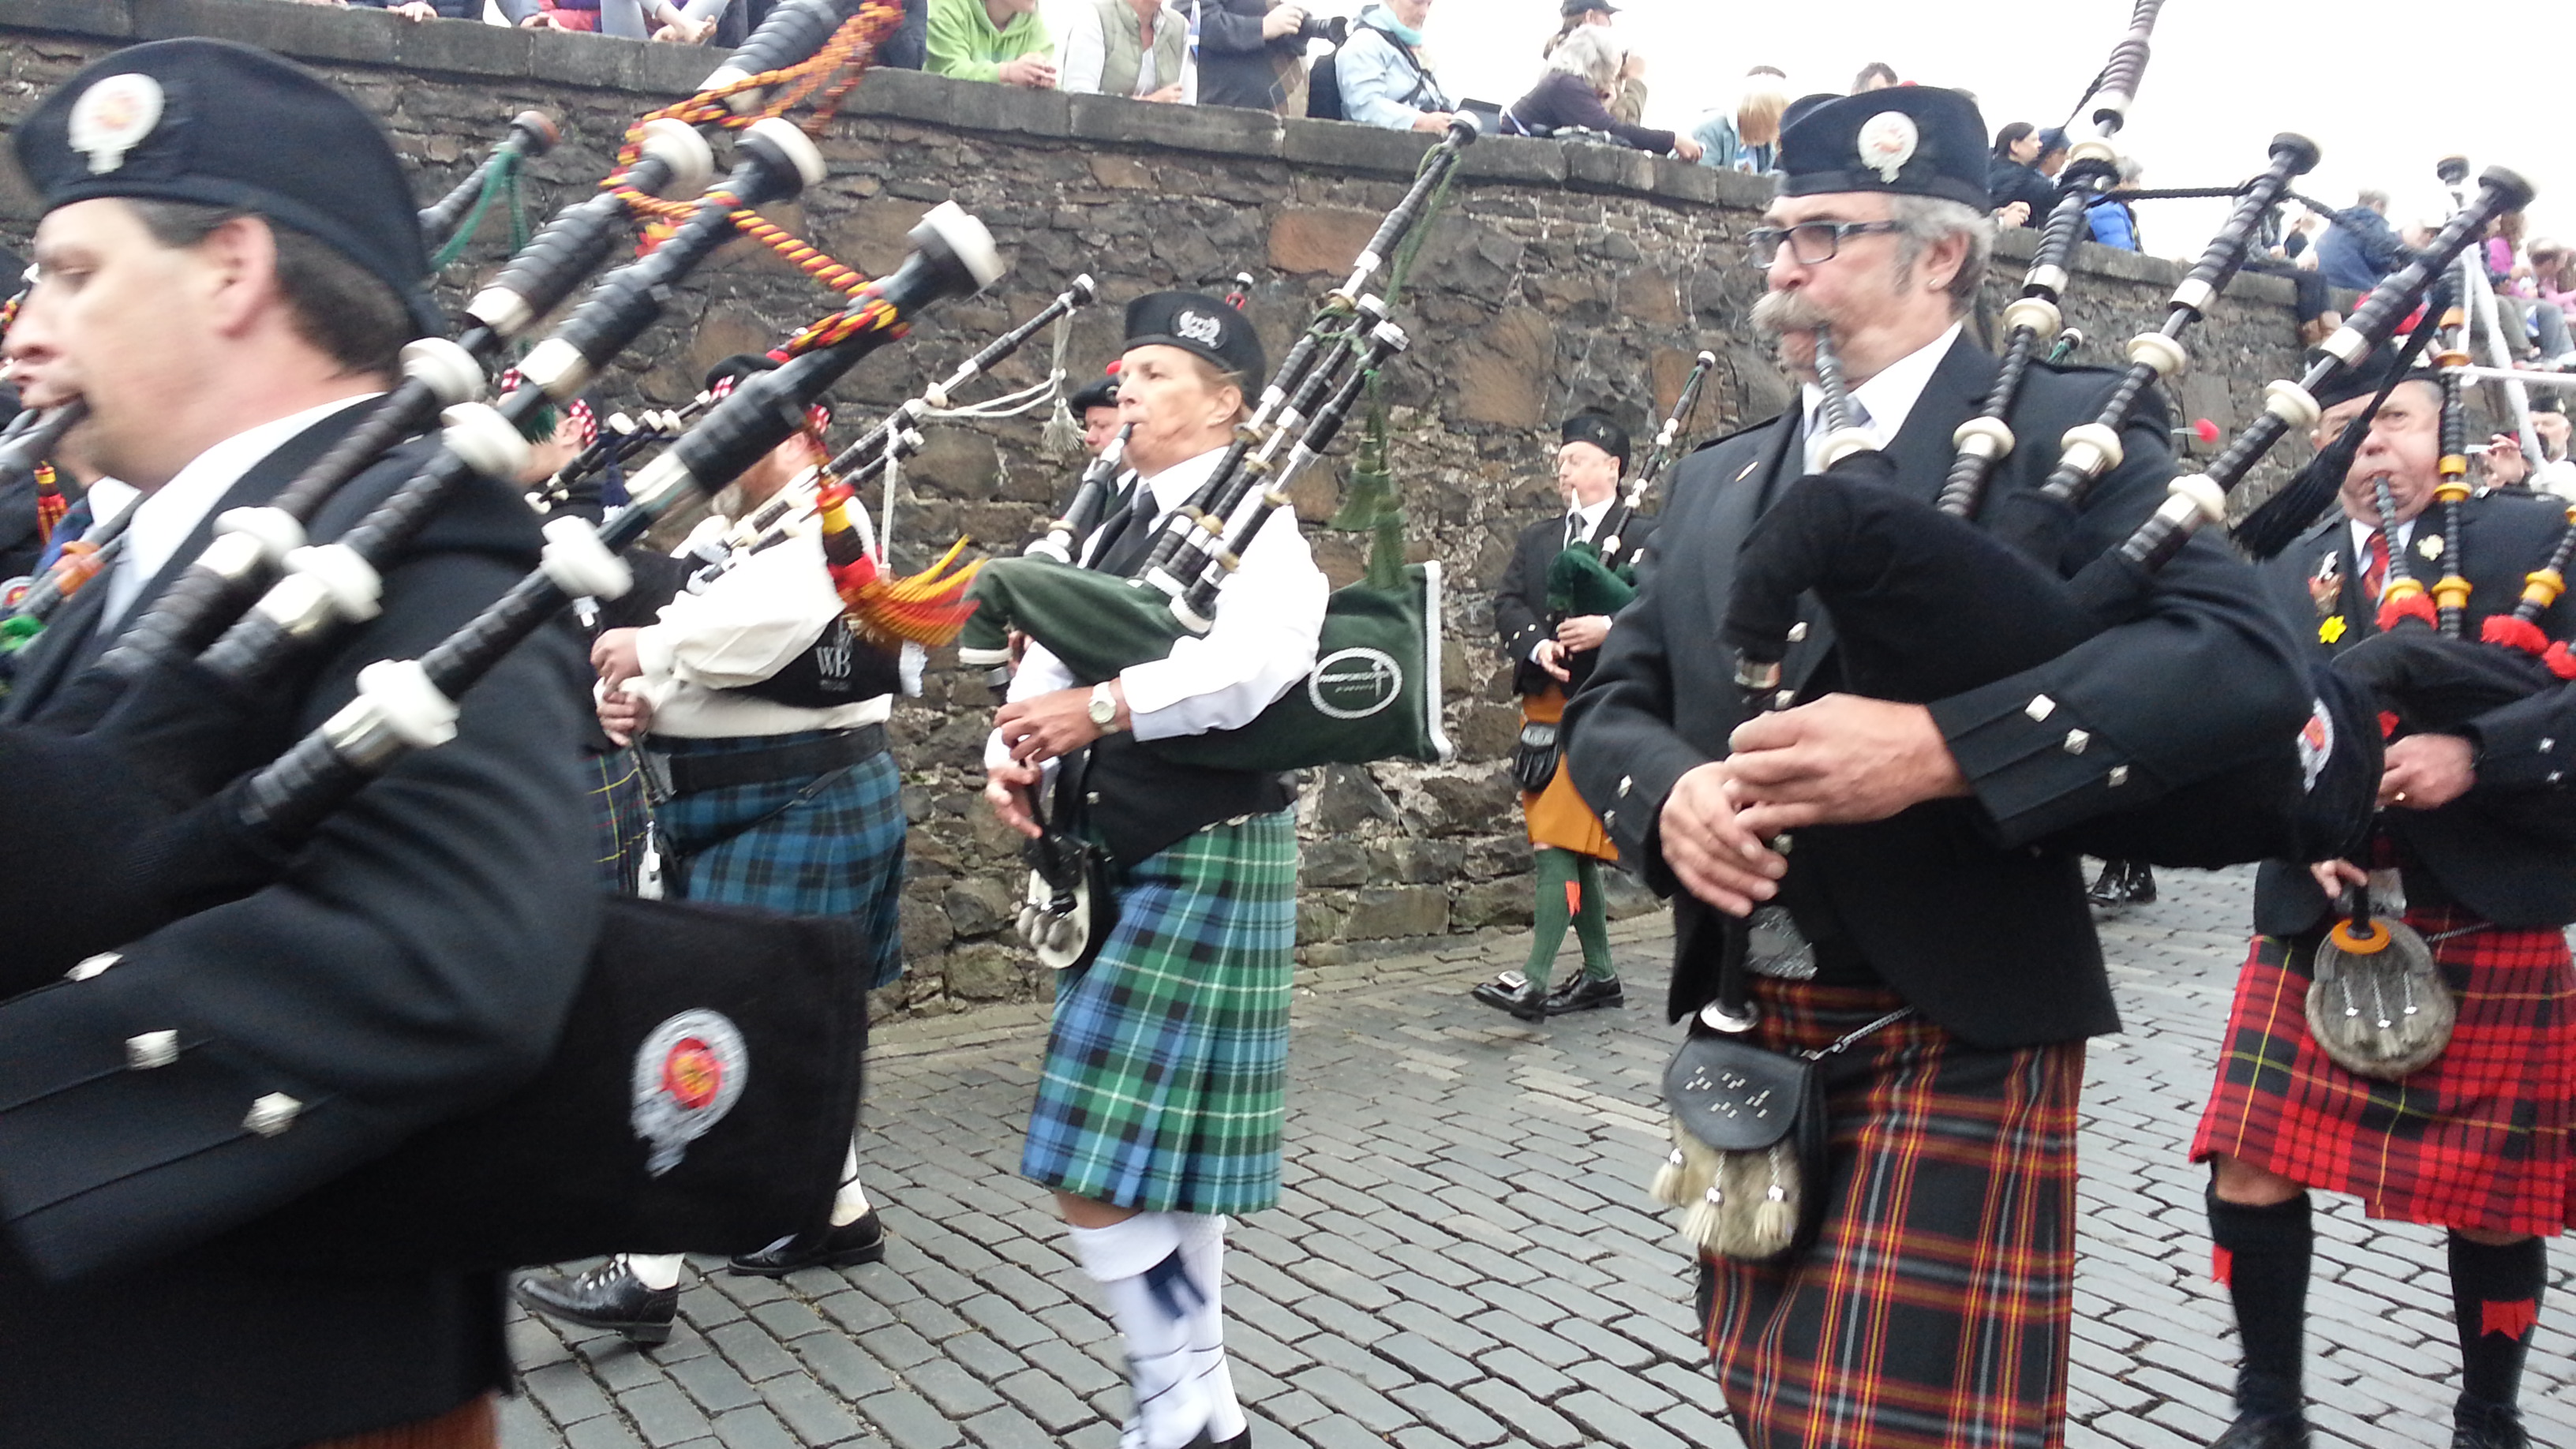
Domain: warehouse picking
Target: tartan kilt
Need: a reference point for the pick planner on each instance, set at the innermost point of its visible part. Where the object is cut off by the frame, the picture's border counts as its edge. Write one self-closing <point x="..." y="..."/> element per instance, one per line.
<point x="1166" y="1077"/>
<point x="2481" y="1139"/>
<point x="620" y="820"/>
<point x="1934" y="1310"/>
<point x="824" y="845"/>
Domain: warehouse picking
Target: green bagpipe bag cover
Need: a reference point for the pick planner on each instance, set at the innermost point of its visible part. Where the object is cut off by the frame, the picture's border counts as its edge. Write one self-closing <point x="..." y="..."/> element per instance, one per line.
<point x="1374" y="693"/>
<point x="1098" y="624"/>
<point x="1577" y="584"/>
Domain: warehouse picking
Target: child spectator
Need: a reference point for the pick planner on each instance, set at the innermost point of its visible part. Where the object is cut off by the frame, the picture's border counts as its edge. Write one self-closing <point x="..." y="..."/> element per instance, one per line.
<point x="1749" y="139"/>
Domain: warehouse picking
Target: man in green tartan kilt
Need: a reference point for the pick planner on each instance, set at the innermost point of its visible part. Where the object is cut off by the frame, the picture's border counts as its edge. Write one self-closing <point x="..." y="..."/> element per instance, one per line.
<point x="1164" y="1088"/>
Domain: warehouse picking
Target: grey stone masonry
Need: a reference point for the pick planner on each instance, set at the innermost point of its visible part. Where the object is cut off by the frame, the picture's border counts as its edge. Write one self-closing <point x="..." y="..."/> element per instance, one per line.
<point x="1465" y="1255"/>
<point x="1557" y="277"/>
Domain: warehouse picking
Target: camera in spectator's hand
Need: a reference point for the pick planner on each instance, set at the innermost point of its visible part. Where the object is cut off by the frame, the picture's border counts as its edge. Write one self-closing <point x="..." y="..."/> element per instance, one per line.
<point x="1333" y="28"/>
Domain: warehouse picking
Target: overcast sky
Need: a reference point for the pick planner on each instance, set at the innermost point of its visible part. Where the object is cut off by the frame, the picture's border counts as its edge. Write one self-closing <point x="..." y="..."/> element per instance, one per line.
<point x="2225" y="77"/>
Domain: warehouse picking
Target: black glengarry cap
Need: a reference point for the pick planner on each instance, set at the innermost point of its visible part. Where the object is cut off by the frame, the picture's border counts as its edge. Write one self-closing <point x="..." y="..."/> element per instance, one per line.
<point x="1196" y="322"/>
<point x="1100" y="392"/>
<point x="1908" y="141"/>
<point x="1597" y="430"/>
<point x="223" y="124"/>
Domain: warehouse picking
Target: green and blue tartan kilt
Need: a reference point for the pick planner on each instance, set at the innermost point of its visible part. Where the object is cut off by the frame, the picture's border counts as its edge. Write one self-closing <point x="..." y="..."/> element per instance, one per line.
<point x="824" y="845"/>
<point x="620" y="820"/>
<point x="1166" y="1076"/>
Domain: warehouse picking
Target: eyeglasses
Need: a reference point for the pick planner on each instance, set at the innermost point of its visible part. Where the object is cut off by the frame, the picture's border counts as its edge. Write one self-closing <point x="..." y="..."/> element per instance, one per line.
<point x="1811" y="242"/>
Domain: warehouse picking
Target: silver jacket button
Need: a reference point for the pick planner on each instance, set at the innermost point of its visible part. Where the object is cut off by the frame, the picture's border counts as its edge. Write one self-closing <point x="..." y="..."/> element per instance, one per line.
<point x="2039" y="708"/>
<point x="90" y="966"/>
<point x="151" y="1049"/>
<point x="272" y="1114"/>
<point x="2076" y="740"/>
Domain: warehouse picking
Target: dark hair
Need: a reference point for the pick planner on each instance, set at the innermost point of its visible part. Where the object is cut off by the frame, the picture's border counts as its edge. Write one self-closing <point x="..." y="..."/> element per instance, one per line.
<point x="341" y="308"/>
<point x="2009" y="135"/>
<point x="1878" y="68"/>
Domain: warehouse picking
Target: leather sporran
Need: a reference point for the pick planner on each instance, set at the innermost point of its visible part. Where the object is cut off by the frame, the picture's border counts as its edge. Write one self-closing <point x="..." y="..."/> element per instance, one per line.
<point x="1071" y="906"/>
<point x="1748" y="1164"/>
<point x="2377" y="1005"/>
<point x="1534" y="757"/>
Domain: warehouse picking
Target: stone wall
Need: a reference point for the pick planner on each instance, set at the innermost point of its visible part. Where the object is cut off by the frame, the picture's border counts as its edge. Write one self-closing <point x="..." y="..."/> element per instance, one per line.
<point x="1558" y="278"/>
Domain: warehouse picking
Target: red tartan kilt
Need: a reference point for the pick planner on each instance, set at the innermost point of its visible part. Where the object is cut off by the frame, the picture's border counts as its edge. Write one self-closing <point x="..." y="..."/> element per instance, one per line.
<point x="2481" y="1139"/>
<point x="1933" y="1311"/>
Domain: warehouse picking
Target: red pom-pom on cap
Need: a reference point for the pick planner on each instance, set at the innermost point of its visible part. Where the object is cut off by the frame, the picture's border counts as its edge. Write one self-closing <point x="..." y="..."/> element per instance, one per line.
<point x="2560" y="662"/>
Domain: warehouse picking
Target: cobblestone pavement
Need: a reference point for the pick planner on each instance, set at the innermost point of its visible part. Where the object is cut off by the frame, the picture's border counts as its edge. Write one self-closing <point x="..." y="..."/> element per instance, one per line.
<point x="1464" y="1254"/>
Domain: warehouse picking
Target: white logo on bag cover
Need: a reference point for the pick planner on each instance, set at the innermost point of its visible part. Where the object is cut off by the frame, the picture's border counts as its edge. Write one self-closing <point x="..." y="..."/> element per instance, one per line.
<point x="1887" y="142"/>
<point x="688" y="1074"/>
<point x="2316" y="745"/>
<point x="1198" y="327"/>
<point x="1355" y="683"/>
<point x="113" y="116"/>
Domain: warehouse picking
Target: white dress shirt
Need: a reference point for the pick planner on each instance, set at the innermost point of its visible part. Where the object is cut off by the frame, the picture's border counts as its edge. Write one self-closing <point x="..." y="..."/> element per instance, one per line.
<point x="747" y="624"/>
<point x="1262" y="643"/>
<point x="167" y="515"/>
<point x="1886" y="400"/>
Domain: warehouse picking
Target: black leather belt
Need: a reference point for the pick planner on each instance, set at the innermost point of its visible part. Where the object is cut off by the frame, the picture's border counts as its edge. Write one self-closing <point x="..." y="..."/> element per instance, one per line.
<point x="688" y="774"/>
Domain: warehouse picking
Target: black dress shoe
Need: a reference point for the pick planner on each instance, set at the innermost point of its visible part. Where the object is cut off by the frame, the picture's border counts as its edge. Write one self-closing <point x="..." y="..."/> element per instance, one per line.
<point x="860" y="1240"/>
<point x="1584" y="993"/>
<point x="2123" y="883"/>
<point x="2264" y="1431"/>
<point x="2481" y="1425"/>
<point x="1516" y="994"/>
<point x="608" y="1296"/>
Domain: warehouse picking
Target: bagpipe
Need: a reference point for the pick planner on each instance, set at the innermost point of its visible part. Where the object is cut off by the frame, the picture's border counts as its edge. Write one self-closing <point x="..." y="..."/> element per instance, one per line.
<point x="1374" y="693"/>
<point x="1926" y="603"/>
<point x="874" y="456"/>
<point x="684" y="1108"/>
<point x="1578" y="581"/>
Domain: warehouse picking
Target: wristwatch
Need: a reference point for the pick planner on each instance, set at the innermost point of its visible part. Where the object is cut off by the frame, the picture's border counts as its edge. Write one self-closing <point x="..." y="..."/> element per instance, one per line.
<point x="1104" y="708"/>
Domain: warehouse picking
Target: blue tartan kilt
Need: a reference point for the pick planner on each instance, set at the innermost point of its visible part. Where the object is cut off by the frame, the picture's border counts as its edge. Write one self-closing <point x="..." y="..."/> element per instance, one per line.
<point x="620" y="820"/>
<point x="824" y="845"/>
<point x="1165" y="1082"/>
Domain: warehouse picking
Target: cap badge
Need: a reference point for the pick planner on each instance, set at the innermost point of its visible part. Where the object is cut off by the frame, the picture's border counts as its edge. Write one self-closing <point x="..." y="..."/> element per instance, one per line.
<point x="1198" y="327"/>
<point x="1887" y="142"/>
<point x="113" y="116"/>
<point x="688" y="1074"/>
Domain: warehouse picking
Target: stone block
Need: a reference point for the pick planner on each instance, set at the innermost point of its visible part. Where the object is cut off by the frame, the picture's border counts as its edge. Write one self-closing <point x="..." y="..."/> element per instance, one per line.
<point x="1332" y="861"/>
<point x="1515" y="159"/>
<point x="1349" y="800"/>
<point x="1319" y="239"/>
<point x="308" y="33"/>
<point x="1383" y="911"/>
<point x="980" y="905"/>
<point x="1224" y="130"/>
<point x="914" y="95"/>
<point x="985" y="972"/>
<point x="924" y="922"/>
<point x="1651" y="298"/>
<point x="1485" y="731"/>
<point x="1505" y="902"/>
<point x="1462" y="804"/>
<point x="1617" y="167"/>
<point x="1501" y="372"/>
<point x="108" y="19"/>
<point x="1347" y="145"/>
<point x="477" y="50"/>
<point x="1319" y="917"/>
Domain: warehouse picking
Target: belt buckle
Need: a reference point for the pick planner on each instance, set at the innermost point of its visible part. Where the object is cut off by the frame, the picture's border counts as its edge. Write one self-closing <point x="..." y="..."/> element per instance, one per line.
<point x="1775" y="947"/>
<point x="656" y="766"/>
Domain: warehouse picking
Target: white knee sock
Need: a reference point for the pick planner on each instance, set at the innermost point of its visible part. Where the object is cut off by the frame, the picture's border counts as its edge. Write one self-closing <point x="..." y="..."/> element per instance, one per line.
<point x="655" y="1270"/>
<point x="1153" y="1299"/>
<point x="851" y="1203"/>
<point x="1203" y="1249"/>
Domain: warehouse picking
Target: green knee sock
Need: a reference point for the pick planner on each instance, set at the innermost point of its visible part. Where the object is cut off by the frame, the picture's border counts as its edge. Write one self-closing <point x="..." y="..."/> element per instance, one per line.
<point x="1592" y="919"/>
<point x="1555" y="871"/>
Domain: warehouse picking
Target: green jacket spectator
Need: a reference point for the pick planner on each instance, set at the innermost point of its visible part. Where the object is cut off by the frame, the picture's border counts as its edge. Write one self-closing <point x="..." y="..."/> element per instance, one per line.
<point x="991" y="40"/>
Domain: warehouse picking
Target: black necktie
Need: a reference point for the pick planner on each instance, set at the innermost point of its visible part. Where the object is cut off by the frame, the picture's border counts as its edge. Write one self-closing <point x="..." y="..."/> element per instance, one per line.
<point x="1128" y="538"/>
<point x="1573" y="529"/>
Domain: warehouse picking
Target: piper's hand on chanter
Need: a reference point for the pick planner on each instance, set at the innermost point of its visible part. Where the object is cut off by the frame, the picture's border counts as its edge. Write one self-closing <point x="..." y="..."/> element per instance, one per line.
<point x="1583" y="632"/>
<point x="2427" y="772"/>
<point x="1007" y="789"/>
<point x="626" y="717"/>
<point x="1549" y="655"/>
<point x="2334" y="877"/>
<point x="1839" y="760"/>
<point x="613" y="655"/>
<point x="1708" y="847"/>
<point x="1045" y="726"/>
